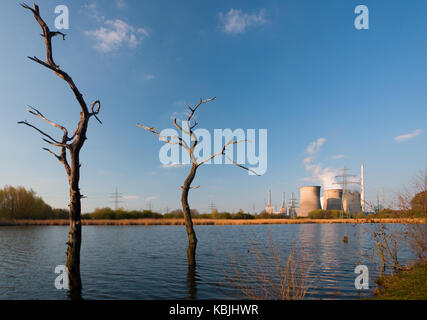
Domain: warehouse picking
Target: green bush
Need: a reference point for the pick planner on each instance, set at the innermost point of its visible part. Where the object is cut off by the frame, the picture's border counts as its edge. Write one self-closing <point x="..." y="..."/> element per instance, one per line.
<point x="324" y="214"/>
<point x="121" y="214"/>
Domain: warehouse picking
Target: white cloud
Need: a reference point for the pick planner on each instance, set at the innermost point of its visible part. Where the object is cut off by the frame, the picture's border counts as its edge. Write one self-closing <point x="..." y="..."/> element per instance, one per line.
<point x="121" y="4"/>
<point x="93" y="11"/>
<point x="408" y="136"/>
<point x="130" y="197"/>
<point x="173" y="165"/>
<point x="149" y="77"/>
<point x="338" y="156"/>
<point x="236" y="21"/>
<point x="315" y="146"/>
<point x="115" y="34"/>
<point x="325" y="176"/>
<point x="150" y="199"/>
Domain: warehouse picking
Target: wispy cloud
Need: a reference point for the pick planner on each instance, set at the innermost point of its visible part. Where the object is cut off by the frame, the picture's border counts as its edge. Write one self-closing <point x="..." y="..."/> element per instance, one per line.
<point x="236" y="21"/>
<point x="93" y="12"/>
<point x="173" y="165"/>
<point x="130" y="197"/>
<point x="121" y="4"/>
<point x="116" y="33"/>
<point x="315" y="146"/>
<point x="338" y="156"/>
<point x="149" y="77"/>
<point x="326" y="176"/>
<point x="148" y="199"/>
<point x="408" y="136"/>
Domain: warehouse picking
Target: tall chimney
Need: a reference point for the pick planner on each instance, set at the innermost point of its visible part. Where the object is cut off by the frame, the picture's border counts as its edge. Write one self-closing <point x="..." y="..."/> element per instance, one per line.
<point x="362" y="183"/>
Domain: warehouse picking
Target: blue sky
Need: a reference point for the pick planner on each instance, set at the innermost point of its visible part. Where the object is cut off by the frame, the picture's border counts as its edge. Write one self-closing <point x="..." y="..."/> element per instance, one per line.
<point x="297" y="68"/>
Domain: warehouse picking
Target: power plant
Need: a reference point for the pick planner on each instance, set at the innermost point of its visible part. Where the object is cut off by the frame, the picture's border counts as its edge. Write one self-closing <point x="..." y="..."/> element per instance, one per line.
<point x="349" y="202"/>
<point x="352" y="202"/>
<point x="332" y="199"/>
<point x="309" y="200"/>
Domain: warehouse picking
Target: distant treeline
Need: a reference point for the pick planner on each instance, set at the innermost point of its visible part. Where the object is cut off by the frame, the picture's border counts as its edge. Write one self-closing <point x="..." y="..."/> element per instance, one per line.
<point x="19" y="203"/>
<point x="110" y="214"/>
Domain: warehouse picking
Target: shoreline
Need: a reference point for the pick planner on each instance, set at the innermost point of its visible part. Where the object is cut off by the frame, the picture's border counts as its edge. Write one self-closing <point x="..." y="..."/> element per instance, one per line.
<point x="410" y="284"/>
<point x="207" y="222"/>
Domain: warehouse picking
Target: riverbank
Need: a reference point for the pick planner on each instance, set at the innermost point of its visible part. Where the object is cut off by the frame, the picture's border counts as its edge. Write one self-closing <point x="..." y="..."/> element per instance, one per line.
<point x="220" y="222"/>
<point x="410" y="284"/>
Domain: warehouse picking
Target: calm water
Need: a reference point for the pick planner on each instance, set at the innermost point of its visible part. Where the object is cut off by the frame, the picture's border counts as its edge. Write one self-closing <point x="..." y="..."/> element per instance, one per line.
<point x="140" y="262"/>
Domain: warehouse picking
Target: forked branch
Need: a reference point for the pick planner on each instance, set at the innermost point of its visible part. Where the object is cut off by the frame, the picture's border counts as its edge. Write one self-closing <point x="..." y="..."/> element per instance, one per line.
<point x="190" y="150"/>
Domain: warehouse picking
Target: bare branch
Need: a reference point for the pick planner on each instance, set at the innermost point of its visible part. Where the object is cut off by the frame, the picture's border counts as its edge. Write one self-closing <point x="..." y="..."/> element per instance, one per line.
<point x="37" y="113"/>
<point x="52" y="153"/>
<point x="96" y="108"/>
<point x="243" y="167"/>
<point x="222" y="153"/>
<point x="193" y="110"/>
<point x="53" y="141"/>
<point x="180" y="141"/>
<point x="196" y="187"/>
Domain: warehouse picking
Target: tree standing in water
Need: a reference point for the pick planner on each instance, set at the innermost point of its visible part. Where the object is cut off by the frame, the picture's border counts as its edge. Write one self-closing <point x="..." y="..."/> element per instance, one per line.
<point x="71" y="144"/>
<point x="195" y="164"/>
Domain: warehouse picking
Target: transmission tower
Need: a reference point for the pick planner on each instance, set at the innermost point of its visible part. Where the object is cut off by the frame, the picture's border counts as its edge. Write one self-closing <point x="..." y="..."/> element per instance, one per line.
<point x="116" y="196"/>
<point x="345" y="182"/>
<point x="211" y="206"/>
<point x="293" y="205"/>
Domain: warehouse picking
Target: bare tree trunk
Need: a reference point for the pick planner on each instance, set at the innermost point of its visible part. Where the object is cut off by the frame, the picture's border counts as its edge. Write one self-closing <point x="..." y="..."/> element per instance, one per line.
<point x="192" y="239"/>
<point x="75" y="230"/>
<point x="71" y="144"/>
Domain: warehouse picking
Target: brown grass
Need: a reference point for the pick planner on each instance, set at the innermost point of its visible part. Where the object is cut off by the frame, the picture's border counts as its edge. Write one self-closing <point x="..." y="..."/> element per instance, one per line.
<point x="179" y="222"/>
<point x="263" y="273"/>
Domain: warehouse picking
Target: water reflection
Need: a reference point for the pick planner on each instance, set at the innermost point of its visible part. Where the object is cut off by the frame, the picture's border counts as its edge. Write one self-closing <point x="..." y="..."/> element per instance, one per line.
<point x="137" y="262"/>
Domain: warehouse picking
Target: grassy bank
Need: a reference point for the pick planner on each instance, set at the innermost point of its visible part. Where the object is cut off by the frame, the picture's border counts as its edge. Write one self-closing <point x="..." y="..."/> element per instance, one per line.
<point x="152" y="222"/>
<point x="410" y="284"/>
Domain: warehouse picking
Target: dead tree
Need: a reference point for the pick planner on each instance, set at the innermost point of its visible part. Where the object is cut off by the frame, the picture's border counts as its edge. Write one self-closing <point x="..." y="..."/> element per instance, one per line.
<point x="195" y="164"/>
<point x="71" y="144"/>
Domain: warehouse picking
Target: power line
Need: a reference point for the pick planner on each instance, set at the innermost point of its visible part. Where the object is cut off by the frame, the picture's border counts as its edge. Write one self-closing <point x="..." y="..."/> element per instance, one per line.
<point x="345" y="182"/>
<point x="116" y="198"/>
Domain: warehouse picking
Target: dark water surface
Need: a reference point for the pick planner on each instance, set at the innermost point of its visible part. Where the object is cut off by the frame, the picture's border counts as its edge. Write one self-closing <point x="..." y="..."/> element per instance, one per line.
<point x="149" y="262"/>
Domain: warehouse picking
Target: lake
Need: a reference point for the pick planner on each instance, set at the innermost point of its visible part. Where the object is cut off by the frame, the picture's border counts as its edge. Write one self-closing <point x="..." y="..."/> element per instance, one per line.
<point x="149" y="262"/>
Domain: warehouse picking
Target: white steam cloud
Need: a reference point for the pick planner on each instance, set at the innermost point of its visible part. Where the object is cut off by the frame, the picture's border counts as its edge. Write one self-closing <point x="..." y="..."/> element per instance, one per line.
<point x="327" y="177"/>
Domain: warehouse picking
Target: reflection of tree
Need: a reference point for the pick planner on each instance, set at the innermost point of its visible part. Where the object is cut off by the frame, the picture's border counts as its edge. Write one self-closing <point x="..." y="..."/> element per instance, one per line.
<point x="191" y="282"/>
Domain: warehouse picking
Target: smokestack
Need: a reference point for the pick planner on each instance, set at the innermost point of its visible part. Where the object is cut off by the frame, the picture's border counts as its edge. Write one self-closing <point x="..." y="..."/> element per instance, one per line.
<point x="309" y="200"/>
<point x="283" y="209"/>
<point x="362" y="183"/>
<point x="332" y="199"/>
<point x="269" y="197"/>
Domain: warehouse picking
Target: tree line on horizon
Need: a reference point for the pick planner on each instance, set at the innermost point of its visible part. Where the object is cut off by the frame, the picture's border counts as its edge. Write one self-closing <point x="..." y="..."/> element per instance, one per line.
<point x="19" y="203"/>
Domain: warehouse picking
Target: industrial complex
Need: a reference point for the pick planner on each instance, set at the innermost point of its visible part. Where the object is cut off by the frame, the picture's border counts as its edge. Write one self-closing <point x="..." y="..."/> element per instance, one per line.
<point x="347" y="200"/>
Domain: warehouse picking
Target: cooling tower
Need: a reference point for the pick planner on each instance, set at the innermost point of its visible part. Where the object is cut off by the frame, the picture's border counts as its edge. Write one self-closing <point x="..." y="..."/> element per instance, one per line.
<point x="332" y="199"/>
<point x="352" y="202"/>
<point x="309" y="200"/>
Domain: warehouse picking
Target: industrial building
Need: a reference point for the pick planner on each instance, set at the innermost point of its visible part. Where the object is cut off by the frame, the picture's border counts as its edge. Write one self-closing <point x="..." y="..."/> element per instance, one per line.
<point x="349" y="202"/>
<point x="309" y="200"/>
<point x="332" y="199"/>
